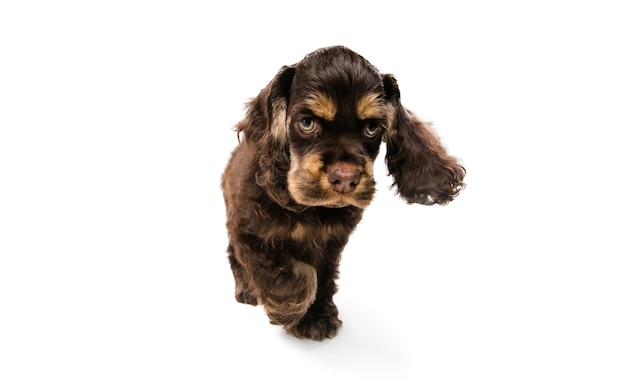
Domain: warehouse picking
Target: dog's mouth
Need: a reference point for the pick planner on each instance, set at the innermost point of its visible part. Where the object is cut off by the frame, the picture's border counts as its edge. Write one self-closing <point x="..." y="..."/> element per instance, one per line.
<point x="308" y="196"/>
<point x="311" y="183"/>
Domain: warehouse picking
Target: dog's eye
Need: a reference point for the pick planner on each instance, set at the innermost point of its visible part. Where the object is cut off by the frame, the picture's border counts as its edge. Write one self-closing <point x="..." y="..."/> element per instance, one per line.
<point x="372" y="129"/>
<point x="307" y="125"/>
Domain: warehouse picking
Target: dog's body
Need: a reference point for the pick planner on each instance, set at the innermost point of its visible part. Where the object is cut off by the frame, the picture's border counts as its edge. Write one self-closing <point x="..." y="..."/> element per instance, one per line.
<point x="296" y="186"/>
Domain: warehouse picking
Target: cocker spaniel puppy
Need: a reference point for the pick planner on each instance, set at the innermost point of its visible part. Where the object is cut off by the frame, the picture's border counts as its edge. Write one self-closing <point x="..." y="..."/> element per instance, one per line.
<point x="297" y="184"/>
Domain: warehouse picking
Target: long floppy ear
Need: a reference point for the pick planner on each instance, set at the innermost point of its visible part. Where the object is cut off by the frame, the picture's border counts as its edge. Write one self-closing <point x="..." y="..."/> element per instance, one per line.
<point x="422" y="170"/>
<point x="265" y="127"/>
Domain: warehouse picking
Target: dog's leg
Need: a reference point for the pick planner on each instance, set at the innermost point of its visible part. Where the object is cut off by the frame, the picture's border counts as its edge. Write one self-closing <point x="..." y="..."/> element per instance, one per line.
<point x="243" y="292"/>
<point x="288" y="295"/>
<point x="321" y="320"/>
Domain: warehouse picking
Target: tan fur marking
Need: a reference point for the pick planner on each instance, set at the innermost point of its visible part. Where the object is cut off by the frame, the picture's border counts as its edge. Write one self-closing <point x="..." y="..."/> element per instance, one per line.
<point x="370" y="106"/>
<point x="279" y="120"/>
<point x="322" y="106"/>
<point x="298" y="232"/>
<point x="319" y="233"/>
<point x="303" y="172"/>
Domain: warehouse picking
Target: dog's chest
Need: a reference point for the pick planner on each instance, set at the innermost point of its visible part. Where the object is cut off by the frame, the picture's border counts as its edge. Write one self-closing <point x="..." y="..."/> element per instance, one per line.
<point x="320" y="233"/>
<point x="315" y="243"/>
<point x="325" y="224"/>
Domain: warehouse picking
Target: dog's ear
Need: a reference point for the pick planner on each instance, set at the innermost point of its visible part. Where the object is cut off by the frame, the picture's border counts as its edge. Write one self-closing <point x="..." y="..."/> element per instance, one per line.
<point x="266" y="114"/>
<point x="422" y="170"/>
<point x="265" y="127"/>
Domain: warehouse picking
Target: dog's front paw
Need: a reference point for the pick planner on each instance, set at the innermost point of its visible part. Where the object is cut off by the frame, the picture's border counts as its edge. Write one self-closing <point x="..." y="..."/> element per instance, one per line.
<point x="289" y="297"/>
<point x="320" y="322"/>
<point x="316" y="328"/>
<point x="246" y="297"/>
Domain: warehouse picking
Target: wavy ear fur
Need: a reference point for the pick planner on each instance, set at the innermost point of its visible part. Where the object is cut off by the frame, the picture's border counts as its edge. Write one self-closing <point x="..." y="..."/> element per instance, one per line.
<point x="422" y="170"/>
<point x="265" y="127"/>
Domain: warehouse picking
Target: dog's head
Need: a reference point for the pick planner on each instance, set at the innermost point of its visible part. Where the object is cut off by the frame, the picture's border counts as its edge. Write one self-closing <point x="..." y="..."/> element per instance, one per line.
<point x="317" y="128"/>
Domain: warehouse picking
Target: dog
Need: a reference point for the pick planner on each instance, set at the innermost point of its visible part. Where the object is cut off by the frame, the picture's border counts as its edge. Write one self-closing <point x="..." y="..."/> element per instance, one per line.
<point x="297" y="183"/>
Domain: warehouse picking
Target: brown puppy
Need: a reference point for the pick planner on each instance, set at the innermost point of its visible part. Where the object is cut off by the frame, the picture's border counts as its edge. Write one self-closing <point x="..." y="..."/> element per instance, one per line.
<point x="296" y="186"/>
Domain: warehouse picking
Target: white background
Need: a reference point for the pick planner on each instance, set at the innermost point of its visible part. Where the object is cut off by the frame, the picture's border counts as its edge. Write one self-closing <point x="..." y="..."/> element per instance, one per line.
<point x="115" y="125"/>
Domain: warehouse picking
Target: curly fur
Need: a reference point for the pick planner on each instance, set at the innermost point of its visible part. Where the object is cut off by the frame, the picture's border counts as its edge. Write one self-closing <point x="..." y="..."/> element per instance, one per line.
<point x="297" y="184"/>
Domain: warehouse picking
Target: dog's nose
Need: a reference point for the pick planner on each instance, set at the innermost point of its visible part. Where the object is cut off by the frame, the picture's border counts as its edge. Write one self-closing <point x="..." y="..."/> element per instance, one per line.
<point x="343" y="179"/>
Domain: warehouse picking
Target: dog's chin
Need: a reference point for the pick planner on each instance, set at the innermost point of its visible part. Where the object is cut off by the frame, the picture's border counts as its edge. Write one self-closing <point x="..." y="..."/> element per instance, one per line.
<point x="338" y="201"/>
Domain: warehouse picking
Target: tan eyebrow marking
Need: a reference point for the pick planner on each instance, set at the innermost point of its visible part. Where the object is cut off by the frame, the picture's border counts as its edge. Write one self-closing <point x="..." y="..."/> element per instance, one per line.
<point x="322" y="106"/>
<point x="370" y="106"/>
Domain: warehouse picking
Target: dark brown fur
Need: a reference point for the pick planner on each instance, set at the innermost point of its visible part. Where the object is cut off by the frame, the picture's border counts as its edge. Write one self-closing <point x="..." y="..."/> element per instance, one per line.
<point x="297" y="184"/>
